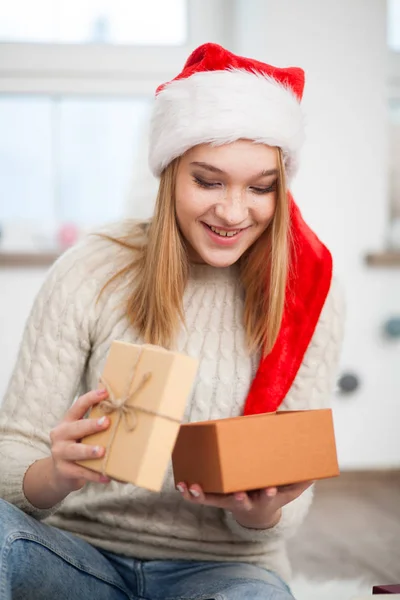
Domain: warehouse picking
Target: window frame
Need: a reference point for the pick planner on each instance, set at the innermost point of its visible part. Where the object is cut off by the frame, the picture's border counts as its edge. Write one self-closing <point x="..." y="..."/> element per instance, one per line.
<point x="108" y="69"/>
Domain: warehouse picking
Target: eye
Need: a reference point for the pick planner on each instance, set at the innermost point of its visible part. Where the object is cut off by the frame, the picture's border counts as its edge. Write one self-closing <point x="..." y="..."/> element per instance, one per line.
<point x="204" y="184"/>
<point x="264" y="190"/>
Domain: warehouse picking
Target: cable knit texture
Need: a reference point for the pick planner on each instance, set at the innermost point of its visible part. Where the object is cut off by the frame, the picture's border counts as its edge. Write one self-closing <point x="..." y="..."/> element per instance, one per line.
<point x="64" y="347"/>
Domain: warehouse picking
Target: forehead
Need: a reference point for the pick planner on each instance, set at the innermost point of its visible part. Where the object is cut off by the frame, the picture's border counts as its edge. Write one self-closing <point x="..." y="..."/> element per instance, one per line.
<point x="245" y="154"/>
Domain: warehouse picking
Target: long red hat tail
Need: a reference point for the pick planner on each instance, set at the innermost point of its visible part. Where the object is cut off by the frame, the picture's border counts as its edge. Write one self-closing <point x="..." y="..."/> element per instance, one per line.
<point x="309" y="280"/>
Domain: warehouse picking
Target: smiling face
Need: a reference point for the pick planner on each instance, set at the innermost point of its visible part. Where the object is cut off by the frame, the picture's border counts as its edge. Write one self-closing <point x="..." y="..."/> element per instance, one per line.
<point x="225" y="199"/>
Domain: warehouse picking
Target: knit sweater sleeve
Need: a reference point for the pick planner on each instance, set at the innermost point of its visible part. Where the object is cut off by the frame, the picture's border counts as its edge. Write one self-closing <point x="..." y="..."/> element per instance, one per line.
<point x="311" y="389"/>
<point x="48" y="370"/>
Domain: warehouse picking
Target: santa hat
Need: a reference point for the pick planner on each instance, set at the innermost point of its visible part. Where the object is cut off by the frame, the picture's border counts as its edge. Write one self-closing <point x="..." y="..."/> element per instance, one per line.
<point x="220" y="97"/>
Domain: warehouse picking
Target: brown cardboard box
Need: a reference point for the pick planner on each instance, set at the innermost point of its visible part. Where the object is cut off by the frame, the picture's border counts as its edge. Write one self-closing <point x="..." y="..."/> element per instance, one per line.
<point x="139" y="444"/>
<point x="258" y="451"/>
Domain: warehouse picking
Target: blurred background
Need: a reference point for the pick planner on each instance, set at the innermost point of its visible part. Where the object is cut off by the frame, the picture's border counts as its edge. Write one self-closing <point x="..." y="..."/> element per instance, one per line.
<point x="77" y="80"/>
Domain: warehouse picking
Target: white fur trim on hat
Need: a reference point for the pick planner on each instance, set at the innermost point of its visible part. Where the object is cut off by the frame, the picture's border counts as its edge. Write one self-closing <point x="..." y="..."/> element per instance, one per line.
<point x="219" y="107"/>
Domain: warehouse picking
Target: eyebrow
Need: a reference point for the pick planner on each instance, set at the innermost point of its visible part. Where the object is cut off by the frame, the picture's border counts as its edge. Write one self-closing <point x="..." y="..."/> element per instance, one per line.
<point x="213" y="169"/>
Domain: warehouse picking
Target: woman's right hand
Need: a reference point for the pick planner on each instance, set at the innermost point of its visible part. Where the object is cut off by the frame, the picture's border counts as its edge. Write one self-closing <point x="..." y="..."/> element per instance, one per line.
<point x="66" y="448"/>
<point x="49" y="480"/>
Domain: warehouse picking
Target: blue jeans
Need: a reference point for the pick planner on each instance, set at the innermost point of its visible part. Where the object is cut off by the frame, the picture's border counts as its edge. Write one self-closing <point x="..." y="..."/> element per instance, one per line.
<point x="39" y="562"/>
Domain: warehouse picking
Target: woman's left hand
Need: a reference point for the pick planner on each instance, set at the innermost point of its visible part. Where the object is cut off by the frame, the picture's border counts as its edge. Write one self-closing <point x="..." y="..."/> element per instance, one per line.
<point x="260" y="509"/>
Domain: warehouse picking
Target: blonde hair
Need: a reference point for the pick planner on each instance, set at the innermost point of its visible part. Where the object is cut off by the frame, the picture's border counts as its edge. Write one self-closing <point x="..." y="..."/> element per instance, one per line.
<point x="159" y="271"/>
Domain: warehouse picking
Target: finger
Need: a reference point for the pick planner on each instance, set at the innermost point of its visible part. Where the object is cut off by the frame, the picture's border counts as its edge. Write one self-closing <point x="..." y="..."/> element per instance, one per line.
<point x="217" y="500"/>
<point x="191" y="494"/>
<point x="73" y="471"/>
<point x="82" y="405"/>
<point x="77" y="430"/>
<point x="74" y="451"/>
<point x="236" y="501"/>
<point x="271" y="492"/>
<point x="195" y="495"/>
<point x="183" y="490"/>
<point x="243" y="501"/>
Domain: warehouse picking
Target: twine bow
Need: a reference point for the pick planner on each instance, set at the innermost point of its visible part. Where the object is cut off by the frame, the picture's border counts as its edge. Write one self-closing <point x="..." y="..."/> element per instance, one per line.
<point x="125" y="410"/>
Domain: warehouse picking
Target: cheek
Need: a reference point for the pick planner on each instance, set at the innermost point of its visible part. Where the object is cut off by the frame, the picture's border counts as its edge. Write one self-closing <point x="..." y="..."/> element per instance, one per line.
<point x="192" y="203"/>
<point x="264" y="208"/>
<point x="182" y="202"/>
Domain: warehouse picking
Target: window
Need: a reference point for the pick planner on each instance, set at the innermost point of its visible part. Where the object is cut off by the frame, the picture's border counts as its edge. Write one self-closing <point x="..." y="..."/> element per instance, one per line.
<point x="77" y="81"/>
<point x="95" y="21"/>
<point x="393" y="7"/>
<point x="68" y="159"/>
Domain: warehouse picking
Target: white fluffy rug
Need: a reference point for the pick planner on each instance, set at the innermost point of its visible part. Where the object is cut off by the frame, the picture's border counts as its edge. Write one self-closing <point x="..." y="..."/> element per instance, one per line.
<point x="304" y="589"/>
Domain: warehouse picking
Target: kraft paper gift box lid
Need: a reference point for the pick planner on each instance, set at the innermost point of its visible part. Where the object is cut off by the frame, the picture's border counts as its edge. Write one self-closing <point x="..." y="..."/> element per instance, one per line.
<point x="139" y="444"/>
<point x="257" y="451"/>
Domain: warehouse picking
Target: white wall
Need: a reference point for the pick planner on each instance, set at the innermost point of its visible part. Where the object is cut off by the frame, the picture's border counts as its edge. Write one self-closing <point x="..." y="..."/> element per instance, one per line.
<point x="342" y="190"/>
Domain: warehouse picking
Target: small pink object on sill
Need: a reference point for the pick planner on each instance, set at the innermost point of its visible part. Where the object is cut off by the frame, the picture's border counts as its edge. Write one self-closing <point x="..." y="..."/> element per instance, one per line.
<point x="67" y="235"/>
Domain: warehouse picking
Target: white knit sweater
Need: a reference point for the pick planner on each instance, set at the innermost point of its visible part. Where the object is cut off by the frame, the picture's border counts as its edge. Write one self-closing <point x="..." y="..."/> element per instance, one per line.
<point x="63" y="350"/>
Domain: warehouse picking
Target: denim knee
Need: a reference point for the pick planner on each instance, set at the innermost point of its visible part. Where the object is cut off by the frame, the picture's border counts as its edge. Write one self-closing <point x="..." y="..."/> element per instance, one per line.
<point x="42" y="562"/>
<point x="12" y="519"/>
<point x="12" y="523"/>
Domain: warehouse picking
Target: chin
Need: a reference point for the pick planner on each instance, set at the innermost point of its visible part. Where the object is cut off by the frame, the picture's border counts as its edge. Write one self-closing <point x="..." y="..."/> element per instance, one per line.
<point x="219" y="259"/>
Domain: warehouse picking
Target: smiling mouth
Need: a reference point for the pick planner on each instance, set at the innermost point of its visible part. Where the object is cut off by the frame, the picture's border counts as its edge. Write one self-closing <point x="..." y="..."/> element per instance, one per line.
<point x="224" y="232"/>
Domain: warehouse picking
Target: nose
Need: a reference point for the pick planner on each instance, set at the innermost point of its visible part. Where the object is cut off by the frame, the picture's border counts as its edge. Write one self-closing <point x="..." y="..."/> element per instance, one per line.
<point x="232" y="210"/>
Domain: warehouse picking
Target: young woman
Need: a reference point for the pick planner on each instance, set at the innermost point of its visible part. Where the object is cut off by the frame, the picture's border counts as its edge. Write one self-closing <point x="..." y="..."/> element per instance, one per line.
<point x="226" y="271"/>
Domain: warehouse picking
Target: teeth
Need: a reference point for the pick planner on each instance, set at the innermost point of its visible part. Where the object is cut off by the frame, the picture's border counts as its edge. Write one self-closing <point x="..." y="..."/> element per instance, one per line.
<point x="224" y="233"/>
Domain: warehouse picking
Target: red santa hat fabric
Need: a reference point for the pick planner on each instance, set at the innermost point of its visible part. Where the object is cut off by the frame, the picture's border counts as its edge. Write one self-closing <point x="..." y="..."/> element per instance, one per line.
<point x="220" y="97"/>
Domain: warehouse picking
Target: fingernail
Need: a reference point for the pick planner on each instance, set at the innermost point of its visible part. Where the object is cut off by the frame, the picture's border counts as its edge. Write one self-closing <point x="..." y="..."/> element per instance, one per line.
<point x="240" y="497"/>
<point x="194" y="493"/>
<point x="271" y="493"/>
<point x="97" y="450"/>
<point x="180" y="488"/>
<point x="101" y="392"/>
<point x="105" y="479"/>
<point x="101" y="421"/>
